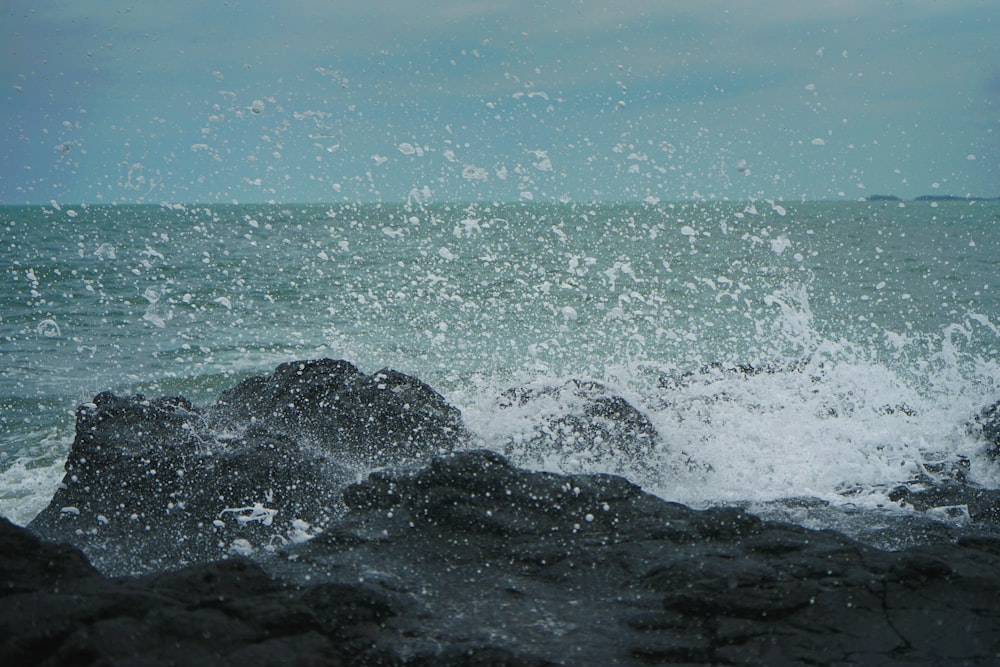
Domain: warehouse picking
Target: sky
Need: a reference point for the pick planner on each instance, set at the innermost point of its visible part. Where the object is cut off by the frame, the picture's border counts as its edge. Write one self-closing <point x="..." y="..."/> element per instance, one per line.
<point x="446" y="101"/>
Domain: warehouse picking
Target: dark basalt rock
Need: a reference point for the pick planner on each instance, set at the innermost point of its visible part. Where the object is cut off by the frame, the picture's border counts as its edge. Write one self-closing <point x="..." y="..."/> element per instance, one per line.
<point x="955" y="503"/>
<point x="148" y="487"/>
<point x="469" y="560"/>
<point x="154" y="484"/>
<point x="590" y="569"/>
<point x="987" y="423"/>
<point x="222" y="613"/>
<point x="462" y="559"/>
<point x="581" y="419"/>
<point x="372" y="420"/>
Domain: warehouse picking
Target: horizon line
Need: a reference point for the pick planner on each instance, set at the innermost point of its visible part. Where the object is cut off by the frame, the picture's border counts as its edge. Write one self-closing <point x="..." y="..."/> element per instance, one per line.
<point x="875" y="198"/>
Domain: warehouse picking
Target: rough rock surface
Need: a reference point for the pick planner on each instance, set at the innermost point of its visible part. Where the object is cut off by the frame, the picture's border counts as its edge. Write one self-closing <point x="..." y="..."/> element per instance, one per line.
<point x="373" y="420"/>
<point x="148" y="487"/>
<point x="153" y="484"/>
<point x="56" y="610"/>
<point x="581" y="419"/>
<point x="988" y="424"/>
<point x="461" y="559"/>
<point x="470" y="560"/>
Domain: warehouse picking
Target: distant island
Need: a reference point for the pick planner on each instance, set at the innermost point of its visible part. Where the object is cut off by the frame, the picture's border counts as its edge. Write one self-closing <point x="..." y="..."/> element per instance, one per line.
<point x="933" y="198"/>
<point x="948" y="198"/>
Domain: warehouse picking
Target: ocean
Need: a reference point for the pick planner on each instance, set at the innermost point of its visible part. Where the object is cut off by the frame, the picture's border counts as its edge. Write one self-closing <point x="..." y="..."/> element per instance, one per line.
<point x="829" y="350"/>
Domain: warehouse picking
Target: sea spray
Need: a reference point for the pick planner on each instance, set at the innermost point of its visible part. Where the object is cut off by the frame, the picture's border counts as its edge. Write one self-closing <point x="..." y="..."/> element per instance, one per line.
<point x="833" y="350"/>
<point x="842" y="421"/>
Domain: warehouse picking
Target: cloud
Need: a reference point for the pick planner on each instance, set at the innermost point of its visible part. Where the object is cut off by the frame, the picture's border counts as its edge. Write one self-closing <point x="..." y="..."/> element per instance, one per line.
<point x="719" y="81"/>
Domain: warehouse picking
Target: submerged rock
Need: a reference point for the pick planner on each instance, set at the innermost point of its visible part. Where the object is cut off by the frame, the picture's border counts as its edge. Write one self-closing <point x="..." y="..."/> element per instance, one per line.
<point x="718" y="371"/>
<point x="987" y="422"/>
<point x="958" y="504"/>
<point x="578" y="419"/>
<point x="717" y="380"/>
<point x="470" y="560"/>
<point x="153" y="484"/>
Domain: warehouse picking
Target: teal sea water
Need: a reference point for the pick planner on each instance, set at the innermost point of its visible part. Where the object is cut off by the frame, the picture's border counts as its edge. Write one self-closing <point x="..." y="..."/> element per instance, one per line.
<point x="877" y="324"/>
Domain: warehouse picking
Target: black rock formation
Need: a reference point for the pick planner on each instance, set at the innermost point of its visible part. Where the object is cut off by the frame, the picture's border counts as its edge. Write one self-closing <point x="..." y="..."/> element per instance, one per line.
<point x="461" y="558"/>
<point x="57" y="610"/>
<point x="153" y="484"/>
<point x="148" y="487"/>
<point x="987" y="423"/>
<point x="471" y="561"/>
<point x="581" y="419"/>
<point x="372" y="420"/>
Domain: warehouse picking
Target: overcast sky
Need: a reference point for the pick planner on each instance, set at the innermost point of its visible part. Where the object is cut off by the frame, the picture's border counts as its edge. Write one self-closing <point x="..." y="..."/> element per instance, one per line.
<point x="212" y="101"/>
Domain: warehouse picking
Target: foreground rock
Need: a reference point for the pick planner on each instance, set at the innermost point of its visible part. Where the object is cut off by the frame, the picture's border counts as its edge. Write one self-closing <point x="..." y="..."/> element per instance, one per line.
<point x="155" y="484"/>
<point x="462" y="558"/>
<point x="472" y="561"/>
<point x="57" y="610"/>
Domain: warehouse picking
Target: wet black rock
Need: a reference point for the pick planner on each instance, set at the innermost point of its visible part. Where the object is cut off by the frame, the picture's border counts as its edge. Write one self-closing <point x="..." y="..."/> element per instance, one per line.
<point x="153" y="484"/>
<point x="56" y="610"/>
<point x="580" y="419"/>
<point x="460" y="559"/>
<point x="987" y="422"/>
<point x="469" y="560"/>
<point x="957" y="504"/>
<point x="148" y="486"/>
<point x="372" y="420"/>
<point x="590" y="569"/>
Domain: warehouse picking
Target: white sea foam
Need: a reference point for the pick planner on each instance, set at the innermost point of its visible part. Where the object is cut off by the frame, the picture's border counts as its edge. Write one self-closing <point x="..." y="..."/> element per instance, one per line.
<point x="833" y="421"/>
<point x="878" y="353"/>
<point x="26" y="488"/>
<point x="256" y="513"/>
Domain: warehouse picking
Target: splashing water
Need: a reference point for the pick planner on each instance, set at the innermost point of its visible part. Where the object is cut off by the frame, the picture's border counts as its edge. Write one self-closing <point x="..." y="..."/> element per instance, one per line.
<point x="813" y="351"/>
<point x="824" y="418"/>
